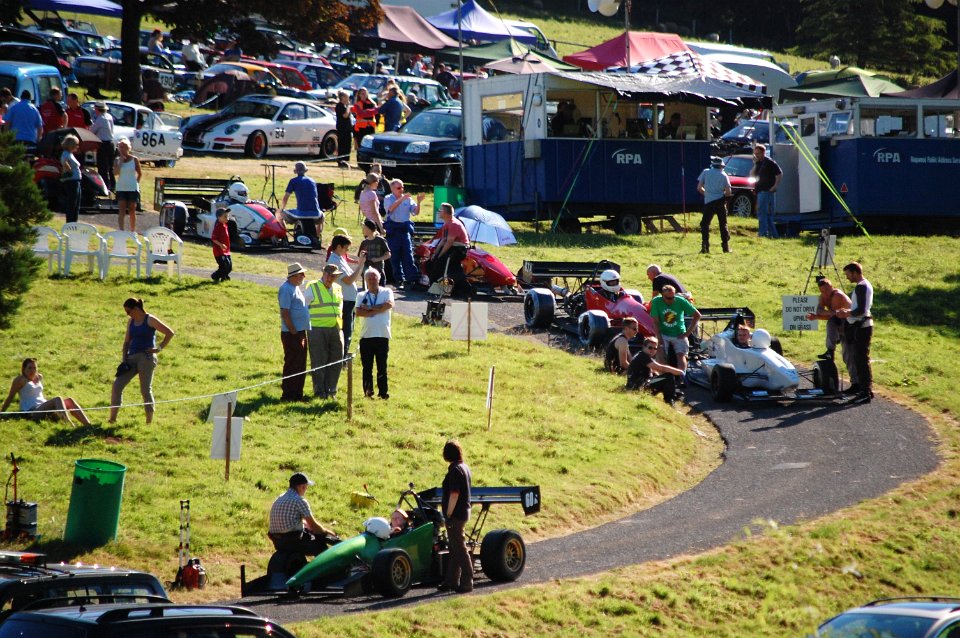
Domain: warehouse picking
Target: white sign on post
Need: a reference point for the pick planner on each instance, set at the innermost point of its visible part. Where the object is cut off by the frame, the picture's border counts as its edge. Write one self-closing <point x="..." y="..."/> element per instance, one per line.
<point x="218" y="448"/>
<point x="460" y="329"/>
<point x="795" y="309"/>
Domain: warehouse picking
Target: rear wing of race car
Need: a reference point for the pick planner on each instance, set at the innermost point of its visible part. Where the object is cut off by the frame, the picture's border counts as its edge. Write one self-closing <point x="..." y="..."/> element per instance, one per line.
<point x="534" y="271"/>
<point x="727" y="314"/>
<point x="527" y="496"/>
<point x="198" y="192"/>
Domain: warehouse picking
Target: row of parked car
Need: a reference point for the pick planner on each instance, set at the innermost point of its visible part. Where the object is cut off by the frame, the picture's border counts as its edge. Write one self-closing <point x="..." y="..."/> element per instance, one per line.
<point x="38" y="599"/>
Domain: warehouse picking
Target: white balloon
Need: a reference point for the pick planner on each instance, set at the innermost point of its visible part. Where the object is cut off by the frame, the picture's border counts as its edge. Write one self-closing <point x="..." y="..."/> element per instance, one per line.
<point x="593" y="4"/>
<point x="609" y="7"/>
<point x="934" y="4"/>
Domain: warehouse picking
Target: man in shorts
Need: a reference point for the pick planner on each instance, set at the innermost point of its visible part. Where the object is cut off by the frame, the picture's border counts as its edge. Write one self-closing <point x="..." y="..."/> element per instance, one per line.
<point x="670" y="313"/>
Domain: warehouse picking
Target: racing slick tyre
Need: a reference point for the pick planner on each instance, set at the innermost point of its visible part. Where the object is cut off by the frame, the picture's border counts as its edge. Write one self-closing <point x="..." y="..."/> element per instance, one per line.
<point x="328" y="145"/>
<point x="723" y="382"/>
<point x="257" y="145"/>
<point x="392" y="572"/>
<point x="539" y="307"/>
<point x="826" y="377"/>
<point x="775" y="345"/>
<point x="592" y="328"/>
<point x="627" y="224"/>
<point x="503" y="555"/>
<point x="741" y="205"/>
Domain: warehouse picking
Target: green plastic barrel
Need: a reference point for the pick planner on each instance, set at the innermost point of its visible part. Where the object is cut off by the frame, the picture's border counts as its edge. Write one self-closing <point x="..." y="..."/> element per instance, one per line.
<point x="94" y="512"/>
<point x="452" y="195"/>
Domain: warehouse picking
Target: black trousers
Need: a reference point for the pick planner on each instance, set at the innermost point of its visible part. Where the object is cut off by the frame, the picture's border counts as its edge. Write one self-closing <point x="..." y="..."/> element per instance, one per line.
<point x="224" y="268"/>
<point x="664" y="384"/>
<point x="375" y="349"/>
<point x="717" y="207"/>
<point x="301" y="542"/>
<point x="70" y="199"/>
<point x="862" y="336"/>
<point x="105" y="157"/>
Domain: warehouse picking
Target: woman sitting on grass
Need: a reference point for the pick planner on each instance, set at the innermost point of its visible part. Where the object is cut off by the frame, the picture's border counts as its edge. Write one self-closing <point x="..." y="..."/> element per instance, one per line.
<point x="29" y="385"/>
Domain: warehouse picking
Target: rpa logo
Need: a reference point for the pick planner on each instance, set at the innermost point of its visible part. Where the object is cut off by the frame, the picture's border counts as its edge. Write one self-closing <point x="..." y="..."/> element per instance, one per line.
<point x="883" y="156"/>
<point x="620" y="156"/>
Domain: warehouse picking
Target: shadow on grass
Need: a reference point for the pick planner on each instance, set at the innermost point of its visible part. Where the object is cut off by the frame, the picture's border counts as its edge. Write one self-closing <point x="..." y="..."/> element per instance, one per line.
<point x="905" y="307"/>
<point x="58" y="550"/>
<point x="72" y="435"/>
<point x="310" y="407"/>
<point x="581" y="240"/>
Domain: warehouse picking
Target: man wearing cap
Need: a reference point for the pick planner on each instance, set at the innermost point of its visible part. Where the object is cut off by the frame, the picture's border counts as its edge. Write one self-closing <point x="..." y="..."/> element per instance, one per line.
<point x="325" y="303"/>
<point x="308" y="207"/>
<point x="294" y="324"/>
<point x="292" y="525"/>
<point x="714" y="185"/>
<point x="102" y="127"/>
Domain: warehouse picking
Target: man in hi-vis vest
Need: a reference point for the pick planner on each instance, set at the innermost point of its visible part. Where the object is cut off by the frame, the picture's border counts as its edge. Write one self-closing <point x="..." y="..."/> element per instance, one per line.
<point x="325" y="339"/>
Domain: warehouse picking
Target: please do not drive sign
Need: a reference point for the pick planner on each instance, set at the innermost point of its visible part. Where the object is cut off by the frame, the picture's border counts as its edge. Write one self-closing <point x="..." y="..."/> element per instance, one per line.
<point x="795" y="309"/>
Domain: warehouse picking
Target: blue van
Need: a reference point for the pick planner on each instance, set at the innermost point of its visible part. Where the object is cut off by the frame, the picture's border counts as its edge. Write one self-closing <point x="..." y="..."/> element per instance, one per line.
<point x="36" y="78"/>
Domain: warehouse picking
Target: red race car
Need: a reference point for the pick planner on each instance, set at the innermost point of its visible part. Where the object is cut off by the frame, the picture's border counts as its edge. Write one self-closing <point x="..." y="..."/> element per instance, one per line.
<point x="482" y="270"/>
<point x="590" y="295"/>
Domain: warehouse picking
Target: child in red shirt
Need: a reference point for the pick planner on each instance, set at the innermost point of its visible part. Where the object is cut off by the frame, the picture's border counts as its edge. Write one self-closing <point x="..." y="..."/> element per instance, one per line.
<point x="220" y="237"/>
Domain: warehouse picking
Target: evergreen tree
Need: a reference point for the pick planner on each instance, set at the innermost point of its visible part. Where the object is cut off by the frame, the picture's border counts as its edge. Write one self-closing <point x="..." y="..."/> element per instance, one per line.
<point x="21" y="208"/>
<point x="883" y="34"/>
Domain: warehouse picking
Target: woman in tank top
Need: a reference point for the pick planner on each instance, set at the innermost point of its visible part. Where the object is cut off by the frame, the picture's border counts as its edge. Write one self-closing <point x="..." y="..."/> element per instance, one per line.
<point x="127" y="169"/>
<point x="139" y="356"/>
<point x="29" y="385"/>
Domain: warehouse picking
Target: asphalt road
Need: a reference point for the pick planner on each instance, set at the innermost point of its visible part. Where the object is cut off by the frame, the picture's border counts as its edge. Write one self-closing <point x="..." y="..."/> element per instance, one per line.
<point x="783" y="463"/>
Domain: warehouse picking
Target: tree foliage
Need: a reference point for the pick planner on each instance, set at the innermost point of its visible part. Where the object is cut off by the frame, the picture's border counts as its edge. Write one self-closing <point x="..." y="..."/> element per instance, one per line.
<point x="21" y="208"/>
<point x="883" y="34"/>
<point x="306" y="20"/>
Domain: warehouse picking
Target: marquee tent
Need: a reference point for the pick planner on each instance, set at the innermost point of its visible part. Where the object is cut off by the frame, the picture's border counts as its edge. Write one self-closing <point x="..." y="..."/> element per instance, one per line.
<point x="644" y="45"/>
<point x="403" y="29"/>
<point x="475" y="23"/>
<point x="94" y="7"/>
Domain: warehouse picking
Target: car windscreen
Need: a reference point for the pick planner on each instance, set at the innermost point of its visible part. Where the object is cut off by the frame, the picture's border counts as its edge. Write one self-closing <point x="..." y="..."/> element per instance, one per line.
<point x="372" y="84"/>
<point x="250" y="108"/>
<point x="754" y="131"/>
<point x="37" y="55"/>
<point x="855" y="625"/>
<point x="739" y="166"/>
<point x="434" y="125"/>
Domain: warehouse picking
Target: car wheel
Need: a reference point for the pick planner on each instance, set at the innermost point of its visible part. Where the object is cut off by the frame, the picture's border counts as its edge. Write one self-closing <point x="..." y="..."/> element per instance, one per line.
<point x="592" y="328"/>
<point x="741" y="205"/>
<point x="450" y="176"/>
<point x="392" y="572"/>
<point x="503" y="555"/>
<point x="257" y="145"/>
<point x="826" y="377"/>
<point x="539" y="306"/>
<point x="627" y="224"/>
<point x="723" y="382"/>
<point x="328" y="146"/>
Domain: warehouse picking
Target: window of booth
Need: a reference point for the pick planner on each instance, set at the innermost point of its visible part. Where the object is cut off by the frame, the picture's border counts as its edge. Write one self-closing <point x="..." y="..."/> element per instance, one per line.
<point x="939" y="121"/>
<point x="888" y="122"/>
<point x="502" y="117"/>
<point x="572" y="113"/>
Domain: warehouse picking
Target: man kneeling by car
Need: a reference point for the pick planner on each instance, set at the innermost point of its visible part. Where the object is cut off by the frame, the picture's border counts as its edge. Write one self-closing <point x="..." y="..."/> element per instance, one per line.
<point x="645" y="372"/>
<point x="292" y="526"/>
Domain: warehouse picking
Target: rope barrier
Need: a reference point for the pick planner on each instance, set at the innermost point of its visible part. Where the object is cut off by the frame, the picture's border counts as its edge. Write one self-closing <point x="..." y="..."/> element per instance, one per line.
<point x="184" y="399"/>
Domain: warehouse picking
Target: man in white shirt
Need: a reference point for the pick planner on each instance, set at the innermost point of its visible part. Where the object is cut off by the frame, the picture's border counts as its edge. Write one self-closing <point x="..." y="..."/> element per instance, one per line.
<point x="376" y="308"/>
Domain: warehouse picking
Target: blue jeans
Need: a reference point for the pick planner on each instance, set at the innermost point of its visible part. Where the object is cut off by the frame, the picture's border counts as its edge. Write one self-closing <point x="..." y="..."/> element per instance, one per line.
<point x="70" y="199"/>
<point x="767" y="227"/>
<point x="401" y="251"/>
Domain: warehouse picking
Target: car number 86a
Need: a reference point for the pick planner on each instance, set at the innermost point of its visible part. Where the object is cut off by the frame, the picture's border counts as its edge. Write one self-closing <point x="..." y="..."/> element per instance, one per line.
<point x="152" y="139"/>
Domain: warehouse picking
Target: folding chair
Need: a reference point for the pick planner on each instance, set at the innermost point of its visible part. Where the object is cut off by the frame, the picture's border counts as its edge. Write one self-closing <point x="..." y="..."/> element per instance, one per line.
<point x="122" y="245"/>
<point x="82" y="239"/>
<point x="160" y="244"/>
<point x="47" y="237"/>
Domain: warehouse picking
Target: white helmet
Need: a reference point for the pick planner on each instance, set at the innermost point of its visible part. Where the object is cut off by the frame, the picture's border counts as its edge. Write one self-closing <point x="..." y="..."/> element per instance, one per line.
<point x="378" y="526"/>
<point x="610" y="280"/>
<point x="761" y="339"/>
<point x="238" y="192"/>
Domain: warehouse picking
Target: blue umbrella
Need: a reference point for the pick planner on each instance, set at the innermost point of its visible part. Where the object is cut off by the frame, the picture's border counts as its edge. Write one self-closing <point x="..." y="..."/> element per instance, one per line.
<point x="485" y="226"/>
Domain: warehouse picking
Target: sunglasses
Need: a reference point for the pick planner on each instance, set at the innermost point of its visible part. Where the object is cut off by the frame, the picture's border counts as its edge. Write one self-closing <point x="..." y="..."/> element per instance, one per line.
<point x="650" y="347"/>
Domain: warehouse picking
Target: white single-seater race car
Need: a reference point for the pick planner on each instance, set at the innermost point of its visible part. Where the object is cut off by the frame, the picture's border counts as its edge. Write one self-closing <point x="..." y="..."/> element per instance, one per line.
<point x="758" y="371"/>
<point x="261" y="125"/>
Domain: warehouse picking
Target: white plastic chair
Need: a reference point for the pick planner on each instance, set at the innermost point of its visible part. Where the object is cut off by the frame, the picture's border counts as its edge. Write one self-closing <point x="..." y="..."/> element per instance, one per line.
<point x="162" y="245"/>
<point x="81" y="239"/>
<point x="49" y="244"/>
<point x="122" y="245"/>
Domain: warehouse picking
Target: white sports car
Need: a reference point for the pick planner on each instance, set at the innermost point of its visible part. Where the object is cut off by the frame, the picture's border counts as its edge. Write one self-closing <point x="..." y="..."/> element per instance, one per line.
<point x="757" y="371"/>
<point x="152" y="138"/>
<point x="261" y="125"/>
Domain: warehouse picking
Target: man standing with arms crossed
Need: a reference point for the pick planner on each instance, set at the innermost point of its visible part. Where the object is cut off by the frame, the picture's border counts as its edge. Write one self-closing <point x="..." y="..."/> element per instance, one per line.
<point x="858" y="333"/>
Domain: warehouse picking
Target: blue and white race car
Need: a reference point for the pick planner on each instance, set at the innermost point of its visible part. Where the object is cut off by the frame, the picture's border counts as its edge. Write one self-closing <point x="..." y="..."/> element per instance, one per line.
<point x="261" y="125"/>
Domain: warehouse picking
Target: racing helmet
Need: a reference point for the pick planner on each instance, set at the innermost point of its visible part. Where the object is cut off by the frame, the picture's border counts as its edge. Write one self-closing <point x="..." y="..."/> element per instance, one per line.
<point x="610" y="281"/>
<point x="378" y="526"/>
<point x="761" y="339"/>
<point x="238" y="192"/>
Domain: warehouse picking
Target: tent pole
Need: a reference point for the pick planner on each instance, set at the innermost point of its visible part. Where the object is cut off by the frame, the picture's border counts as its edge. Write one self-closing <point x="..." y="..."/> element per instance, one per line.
<point x="626" y="30"/>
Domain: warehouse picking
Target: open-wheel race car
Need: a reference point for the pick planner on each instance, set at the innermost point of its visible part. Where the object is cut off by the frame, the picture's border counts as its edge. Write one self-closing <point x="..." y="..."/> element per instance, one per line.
<point x="576" y="297"/>
<point x="389" y="564"/>
<point x="481" y="270"/>
<point x="757" y="370"/>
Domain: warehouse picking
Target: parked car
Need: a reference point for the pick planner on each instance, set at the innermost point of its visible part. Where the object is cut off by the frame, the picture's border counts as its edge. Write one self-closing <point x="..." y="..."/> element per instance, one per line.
<point x="151" y="138"/>
<point x="34" y="54"/>
<point x="26" y="578"/>
<point x="36" y="78"/>
<point x="742" y="137"/>
<point x="372" y="83"/>
<point x="737" y="168"/>
<point x="424" y="93"/>
<point x="259" y="74"/>
<point x="912" y="617"/>
<point x="137" y="621"/>
<point x="261" y="125"/>
<point x="99" y="72"/>
<point x="12" y="34"/>
<point x="65" y="46"/>
<point x="287" y="74"/>
<point x="427" y="149"/>
<point x="319" y="75"/>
